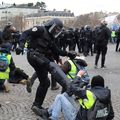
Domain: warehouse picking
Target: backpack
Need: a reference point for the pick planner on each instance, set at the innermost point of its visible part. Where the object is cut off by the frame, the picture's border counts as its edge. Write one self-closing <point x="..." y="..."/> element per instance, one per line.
<point x="3" y="62"/>
<point x="99" y="111"/>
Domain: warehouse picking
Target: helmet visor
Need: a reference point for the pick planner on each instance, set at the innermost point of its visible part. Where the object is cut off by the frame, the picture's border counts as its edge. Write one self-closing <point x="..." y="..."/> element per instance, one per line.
<point x="55" y="30"/>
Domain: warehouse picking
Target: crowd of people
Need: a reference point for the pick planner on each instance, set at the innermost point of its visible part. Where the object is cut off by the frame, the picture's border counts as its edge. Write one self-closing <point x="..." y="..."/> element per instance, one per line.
<point x="44" y="45"/>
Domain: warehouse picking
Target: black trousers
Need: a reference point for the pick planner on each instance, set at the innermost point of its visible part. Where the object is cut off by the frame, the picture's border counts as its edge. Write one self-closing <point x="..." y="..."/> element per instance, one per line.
<point x="100" y="50"/>
<point x="42" y="65"/>
<point x="1" y="84"/>
<point x="117" y="44"/>
<point x="34" y="77"/>
<point x="42" y="74"/>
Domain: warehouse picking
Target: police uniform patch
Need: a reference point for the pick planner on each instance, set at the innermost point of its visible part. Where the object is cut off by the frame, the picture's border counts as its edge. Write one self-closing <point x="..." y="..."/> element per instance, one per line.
<point x="34" y="29"/>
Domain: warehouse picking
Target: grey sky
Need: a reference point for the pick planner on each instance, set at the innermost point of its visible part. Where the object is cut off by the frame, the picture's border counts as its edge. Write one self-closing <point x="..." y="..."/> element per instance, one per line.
<point x="76" y="6"/>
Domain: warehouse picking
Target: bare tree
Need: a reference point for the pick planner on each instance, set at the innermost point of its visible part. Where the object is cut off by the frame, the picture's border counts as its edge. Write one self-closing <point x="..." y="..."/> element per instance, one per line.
<point x="69" y="24"/>
<point x="18" y="22"/>
<point x="91" y="19"/>
<point x="41" y="5"/>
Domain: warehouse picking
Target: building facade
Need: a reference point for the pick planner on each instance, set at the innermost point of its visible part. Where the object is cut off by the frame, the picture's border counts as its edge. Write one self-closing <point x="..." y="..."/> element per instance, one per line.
<point x="43" y="16"/>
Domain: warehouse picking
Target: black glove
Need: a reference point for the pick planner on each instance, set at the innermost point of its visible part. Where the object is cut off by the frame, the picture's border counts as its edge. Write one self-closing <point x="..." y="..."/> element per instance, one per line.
<point x="18" y="50"/>
<point x="71" y="55"/>
<point x="74" y="86"/>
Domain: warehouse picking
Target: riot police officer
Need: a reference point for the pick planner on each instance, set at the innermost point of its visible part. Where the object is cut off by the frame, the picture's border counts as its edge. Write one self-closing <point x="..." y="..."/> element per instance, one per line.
<point x="82" y="39"/>
<point x="41" y="49"/>
<point x="102" y="36"/>
<point x="88" y="41"/>
<point x="118" y="39"/>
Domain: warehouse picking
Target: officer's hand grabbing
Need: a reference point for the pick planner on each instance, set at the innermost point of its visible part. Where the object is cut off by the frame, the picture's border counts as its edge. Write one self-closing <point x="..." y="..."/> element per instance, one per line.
<point x="18" y="50"/>
<point x="71" y="54"/>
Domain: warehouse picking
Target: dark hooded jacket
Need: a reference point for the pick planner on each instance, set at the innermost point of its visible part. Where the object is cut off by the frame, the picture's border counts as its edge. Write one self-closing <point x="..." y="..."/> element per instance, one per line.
<point x="102" y="36"/>
<point x="102" y="93"/>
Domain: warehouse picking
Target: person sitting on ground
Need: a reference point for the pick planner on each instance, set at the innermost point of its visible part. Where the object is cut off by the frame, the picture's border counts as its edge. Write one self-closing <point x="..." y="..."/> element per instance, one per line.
<point x="88" y="100"/>
<point x="71" y="68"/>
<point x="6" y="65"/>
<point x="12" y="73"/>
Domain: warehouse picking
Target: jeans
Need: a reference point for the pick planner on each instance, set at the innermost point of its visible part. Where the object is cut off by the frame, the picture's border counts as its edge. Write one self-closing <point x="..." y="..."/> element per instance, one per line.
<point x="65" y="104"/>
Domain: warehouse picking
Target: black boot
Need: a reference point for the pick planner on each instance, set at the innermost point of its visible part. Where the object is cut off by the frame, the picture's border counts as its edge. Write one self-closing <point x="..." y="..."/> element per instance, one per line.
<point x="41" y="112"/>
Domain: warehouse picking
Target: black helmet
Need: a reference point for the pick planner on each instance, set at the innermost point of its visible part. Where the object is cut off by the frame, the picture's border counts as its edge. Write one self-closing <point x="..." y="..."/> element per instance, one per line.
<point x="54" y="27"/>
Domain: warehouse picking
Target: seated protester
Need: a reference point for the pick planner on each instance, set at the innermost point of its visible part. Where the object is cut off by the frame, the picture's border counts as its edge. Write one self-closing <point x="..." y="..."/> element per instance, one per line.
<point x="72" y="66"/>
<point x="12" y="74"/>
<point x="90" y="103"/>
<point x="6" y="65"/>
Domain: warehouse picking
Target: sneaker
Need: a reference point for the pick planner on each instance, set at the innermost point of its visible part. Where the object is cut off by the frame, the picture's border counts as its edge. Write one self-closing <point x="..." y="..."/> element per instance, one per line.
<point x="41" y="112"/>
<point x="55" y="88"/>
<point x="96" y="67"/>
<point x="104" y="67"/>
<point x="29" y="86"/>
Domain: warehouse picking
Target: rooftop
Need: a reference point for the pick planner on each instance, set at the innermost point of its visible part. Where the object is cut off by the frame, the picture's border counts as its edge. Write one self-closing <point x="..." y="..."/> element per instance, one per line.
<point x="52" y="13"/>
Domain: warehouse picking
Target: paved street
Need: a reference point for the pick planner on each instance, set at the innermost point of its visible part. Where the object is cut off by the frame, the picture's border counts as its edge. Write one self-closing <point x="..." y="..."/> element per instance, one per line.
<point x="16" y="105"/>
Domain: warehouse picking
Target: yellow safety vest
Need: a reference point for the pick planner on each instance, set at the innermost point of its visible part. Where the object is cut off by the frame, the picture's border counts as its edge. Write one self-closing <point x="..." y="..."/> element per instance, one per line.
<point x="26" y="45"/>
<point x="5" y="75"/>
<point x="113" y="34"/>
<point x="89" y="101"/>
<point x="73" y="71"/>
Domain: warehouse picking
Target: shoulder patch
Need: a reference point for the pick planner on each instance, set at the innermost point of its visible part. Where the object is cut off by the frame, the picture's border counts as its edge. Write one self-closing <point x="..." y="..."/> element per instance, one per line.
<point x="34" y="29"/>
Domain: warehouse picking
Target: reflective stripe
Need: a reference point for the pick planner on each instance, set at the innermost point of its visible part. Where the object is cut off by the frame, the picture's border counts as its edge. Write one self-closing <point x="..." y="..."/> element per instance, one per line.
<point x="5" y="75"/>
<point x="73" y="71"/>
<point x="26" y="45"/>
<point x="89" y="101"/>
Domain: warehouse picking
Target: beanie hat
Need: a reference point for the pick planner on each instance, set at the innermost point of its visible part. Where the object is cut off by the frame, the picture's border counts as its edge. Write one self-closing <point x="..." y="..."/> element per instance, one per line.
<point x="97" y="81"/>
<point x="6" y="47"/>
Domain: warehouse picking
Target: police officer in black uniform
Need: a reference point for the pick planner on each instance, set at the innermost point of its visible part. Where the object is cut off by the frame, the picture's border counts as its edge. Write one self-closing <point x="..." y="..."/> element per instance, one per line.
<point x="41" y="47"/>
<point x="88" y="41"/>
<point x="102" y="36"/>
<point x="72" y="42"/>
<point x="81" y="39"/>
<point x="118" y="39"/>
